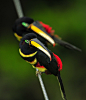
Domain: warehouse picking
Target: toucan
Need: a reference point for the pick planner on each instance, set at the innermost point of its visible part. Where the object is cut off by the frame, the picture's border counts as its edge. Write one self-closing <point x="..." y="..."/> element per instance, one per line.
<point x="34" y="51"/>
<point x="26" y="25"/>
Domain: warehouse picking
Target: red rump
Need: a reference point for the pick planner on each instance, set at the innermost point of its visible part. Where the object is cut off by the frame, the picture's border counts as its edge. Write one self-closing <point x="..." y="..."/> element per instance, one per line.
<point x="47" y="27"/>
<point x="58" y="61"/>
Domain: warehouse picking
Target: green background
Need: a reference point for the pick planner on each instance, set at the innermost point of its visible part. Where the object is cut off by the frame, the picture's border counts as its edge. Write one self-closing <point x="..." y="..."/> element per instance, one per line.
<point x="17" y="78"/>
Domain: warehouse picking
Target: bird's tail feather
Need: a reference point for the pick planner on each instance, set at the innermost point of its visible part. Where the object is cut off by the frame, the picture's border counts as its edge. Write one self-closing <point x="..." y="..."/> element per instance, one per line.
<point x="61" y="87"/>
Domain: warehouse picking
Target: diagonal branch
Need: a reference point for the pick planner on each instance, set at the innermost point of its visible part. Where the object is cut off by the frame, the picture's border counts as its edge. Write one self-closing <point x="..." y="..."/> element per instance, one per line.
<point x="18" y="8"/>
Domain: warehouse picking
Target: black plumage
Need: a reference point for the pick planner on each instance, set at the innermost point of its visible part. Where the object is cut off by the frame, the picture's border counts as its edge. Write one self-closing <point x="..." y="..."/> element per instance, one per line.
<point x="20" y="31"/>
<point x="44" y="60"/>
<point x="19" y="28"/>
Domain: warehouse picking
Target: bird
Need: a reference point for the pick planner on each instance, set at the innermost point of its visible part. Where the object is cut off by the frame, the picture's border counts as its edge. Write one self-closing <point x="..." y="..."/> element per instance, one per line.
<point x="20" y="30"/>
<point x="38" y="55"/>
<point x="43" y="31"/>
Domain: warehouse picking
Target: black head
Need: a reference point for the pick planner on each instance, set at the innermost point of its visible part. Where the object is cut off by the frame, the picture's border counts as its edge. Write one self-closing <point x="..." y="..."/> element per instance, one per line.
<point x="17" y="27"/>
<point x="28" y="36"/>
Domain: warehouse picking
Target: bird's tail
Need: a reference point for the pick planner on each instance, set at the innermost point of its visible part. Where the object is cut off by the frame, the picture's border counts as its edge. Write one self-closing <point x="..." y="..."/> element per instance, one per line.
<point x="61" y="86"/>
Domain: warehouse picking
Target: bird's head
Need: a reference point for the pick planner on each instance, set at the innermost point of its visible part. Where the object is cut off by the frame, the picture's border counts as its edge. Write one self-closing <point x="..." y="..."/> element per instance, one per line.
<point x="19" y="29"/>
<point x="31" y="40"/>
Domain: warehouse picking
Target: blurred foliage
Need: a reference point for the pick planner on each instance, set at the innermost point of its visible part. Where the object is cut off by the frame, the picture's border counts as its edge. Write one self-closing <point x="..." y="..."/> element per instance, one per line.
<point x="17" y="78"/>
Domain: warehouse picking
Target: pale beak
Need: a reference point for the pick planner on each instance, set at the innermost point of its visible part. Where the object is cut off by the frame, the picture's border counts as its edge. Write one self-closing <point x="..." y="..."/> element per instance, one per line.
<point x="43" y="34"/>
<point x="36" y="43"/>
<point x="40" y="32"/>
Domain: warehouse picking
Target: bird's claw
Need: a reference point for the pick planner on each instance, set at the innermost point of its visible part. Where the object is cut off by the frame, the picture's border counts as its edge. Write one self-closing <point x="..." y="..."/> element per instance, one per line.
<point x="38" y="72"/>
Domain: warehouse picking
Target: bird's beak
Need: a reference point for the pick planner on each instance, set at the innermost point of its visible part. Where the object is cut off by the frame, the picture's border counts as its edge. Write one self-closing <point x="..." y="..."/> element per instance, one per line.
<point x="36" y="43"/>
<point x="43" y="34"/>
<point x="39" y="32"/>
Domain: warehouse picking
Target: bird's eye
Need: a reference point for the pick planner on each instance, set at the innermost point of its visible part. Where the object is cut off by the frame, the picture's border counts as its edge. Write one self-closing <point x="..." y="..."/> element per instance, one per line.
<point x="25" y="24"/>
<point x="27" y="41"/>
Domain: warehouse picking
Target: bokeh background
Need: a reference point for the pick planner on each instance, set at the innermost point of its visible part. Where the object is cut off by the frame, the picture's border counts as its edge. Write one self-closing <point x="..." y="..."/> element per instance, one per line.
<point x="17" y="78"/>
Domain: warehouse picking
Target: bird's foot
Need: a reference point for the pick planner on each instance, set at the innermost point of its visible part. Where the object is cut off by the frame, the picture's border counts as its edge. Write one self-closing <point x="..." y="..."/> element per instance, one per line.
<point x="38" y="72"/>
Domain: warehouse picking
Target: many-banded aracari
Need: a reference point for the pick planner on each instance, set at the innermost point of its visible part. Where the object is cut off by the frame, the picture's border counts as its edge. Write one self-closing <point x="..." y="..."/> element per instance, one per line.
<point x="34" y="52"/>
<point x="26" y="25"/>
